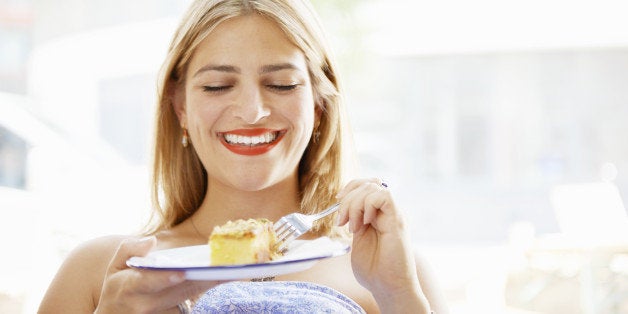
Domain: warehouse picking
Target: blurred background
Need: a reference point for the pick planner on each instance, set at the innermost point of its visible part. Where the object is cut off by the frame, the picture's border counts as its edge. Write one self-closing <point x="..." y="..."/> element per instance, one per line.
<point x="500" y="126"/>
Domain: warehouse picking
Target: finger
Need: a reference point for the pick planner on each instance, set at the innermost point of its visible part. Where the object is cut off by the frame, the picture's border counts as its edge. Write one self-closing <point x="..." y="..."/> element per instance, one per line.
<point x="355" y="219"/>
<point x="371" y="199"/>
<point x="129" y="248"/>
<point x="355" y="207"/>
<point x="381" y="199"/>
<point x="342" y="215"/>
<point x="354" y="184"/>
<point x="365" y="203"/>
<point x="372" y="204"/>
<point x="347" y="197"/>
<point x="154" y="281"/>
<point x="143" y="281"/>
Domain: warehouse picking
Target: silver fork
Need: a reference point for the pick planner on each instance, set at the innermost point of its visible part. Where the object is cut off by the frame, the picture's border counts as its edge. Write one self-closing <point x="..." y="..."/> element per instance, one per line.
<point x="292" y="226"/>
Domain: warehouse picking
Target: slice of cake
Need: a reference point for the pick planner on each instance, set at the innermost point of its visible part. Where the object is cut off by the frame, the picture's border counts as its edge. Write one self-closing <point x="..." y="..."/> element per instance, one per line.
<point x="242" y="242"/>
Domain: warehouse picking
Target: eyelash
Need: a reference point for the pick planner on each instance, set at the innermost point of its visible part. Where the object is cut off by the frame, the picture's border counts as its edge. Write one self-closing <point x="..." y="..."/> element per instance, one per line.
<point x="280" y="88"/>
<point x="216" y="89"/>
<point x="283" y="88"/>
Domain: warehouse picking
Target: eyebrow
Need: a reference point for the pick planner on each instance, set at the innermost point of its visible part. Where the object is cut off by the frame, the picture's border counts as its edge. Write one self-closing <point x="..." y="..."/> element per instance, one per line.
<point x="219" y="68"/>
<point x="233" y="69"/>
<point x="278" y="67"/>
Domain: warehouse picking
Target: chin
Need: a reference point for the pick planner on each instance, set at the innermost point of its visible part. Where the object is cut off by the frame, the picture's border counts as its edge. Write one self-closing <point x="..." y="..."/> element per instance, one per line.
<point x="255" y="178"/>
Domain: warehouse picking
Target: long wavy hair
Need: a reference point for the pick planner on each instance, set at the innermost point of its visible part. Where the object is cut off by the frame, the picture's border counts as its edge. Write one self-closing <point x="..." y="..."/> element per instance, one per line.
<point x="179" y="180"/>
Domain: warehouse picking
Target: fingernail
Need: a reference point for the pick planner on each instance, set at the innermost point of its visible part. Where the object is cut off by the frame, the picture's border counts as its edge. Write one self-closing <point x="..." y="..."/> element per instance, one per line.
<point x="146" y="239"/>
<point x="177" y="278"/>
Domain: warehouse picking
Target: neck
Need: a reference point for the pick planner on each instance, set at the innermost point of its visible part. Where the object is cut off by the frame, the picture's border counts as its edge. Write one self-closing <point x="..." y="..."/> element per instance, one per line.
<point x="223" y="202"/>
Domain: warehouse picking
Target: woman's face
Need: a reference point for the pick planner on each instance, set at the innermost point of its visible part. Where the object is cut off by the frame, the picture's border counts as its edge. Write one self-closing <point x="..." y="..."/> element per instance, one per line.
<point x="249" y="105"/>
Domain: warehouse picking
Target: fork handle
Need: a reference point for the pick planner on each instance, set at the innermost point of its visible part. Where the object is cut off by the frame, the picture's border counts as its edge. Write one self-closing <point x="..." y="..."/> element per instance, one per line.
<point x="330" y="210"/>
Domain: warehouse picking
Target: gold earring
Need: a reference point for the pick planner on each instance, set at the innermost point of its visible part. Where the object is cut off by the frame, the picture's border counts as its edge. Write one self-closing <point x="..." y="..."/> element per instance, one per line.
<point x="185" y="139"/>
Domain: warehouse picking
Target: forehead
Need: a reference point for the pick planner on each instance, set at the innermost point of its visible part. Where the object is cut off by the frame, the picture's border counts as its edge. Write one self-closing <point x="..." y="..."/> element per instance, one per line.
<point x="247" y="40"/>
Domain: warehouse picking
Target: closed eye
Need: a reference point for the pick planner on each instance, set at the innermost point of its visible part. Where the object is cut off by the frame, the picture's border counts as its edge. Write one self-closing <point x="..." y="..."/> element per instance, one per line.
<point x="216" y="89"/>
<point x="283" y="88"/>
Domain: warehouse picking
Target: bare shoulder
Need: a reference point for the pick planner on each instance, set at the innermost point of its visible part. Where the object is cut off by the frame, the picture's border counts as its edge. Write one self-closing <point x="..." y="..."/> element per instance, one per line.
<point x="103" y="245"/>
<point x="94" y="255"/>
<point x="429" y="284"/>
<point x="80" y="276"/>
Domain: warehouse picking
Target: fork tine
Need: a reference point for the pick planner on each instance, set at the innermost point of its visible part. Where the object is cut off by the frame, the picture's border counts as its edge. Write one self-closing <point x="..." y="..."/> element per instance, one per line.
<point x="281" y="222"/>
<point x="281" y="227"/>
<point x="282" y="245"/>
<point x="287" y="231"/>
<point x="290" y="227"/>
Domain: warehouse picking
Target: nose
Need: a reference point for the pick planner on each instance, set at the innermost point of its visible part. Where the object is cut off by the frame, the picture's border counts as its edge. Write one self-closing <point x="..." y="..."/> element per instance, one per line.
<point x="250" y="106"/>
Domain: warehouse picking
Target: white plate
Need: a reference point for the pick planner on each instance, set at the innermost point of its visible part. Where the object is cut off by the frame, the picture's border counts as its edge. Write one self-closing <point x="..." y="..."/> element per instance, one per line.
<point x="194" y="261"/>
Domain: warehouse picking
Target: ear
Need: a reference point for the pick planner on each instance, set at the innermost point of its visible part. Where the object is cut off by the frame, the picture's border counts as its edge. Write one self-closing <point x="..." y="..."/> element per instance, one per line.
<point x="318" y="112"/>
<point x="176" y="93"/>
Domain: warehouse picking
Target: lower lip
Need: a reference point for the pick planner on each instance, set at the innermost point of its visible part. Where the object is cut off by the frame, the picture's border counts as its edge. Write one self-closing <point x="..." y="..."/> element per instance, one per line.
<point x="252" y="150"/>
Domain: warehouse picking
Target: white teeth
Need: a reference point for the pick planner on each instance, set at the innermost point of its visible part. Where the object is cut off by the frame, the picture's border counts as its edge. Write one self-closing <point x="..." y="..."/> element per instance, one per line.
<point x="250" y="140"/>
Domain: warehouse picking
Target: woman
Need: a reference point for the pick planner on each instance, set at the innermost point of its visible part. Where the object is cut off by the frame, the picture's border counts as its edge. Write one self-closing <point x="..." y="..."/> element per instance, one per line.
<point x="248" y="126"/>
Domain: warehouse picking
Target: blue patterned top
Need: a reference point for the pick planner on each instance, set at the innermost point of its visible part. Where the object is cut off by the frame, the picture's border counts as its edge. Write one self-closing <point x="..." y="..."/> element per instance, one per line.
<point x="274" y="297"/>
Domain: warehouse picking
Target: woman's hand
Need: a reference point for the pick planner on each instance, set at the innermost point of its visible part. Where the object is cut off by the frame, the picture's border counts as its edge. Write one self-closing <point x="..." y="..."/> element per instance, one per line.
<point x="128" y="290"/>
<point x="382" y="256"/>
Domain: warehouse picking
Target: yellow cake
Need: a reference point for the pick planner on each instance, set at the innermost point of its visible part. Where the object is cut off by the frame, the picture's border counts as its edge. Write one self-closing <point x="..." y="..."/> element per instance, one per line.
<point x="242" y="242"/>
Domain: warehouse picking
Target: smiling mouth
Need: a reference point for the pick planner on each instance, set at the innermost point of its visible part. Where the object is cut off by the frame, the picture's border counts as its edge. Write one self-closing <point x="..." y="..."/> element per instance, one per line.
<point x="251" y="142"/>
<point x="243" y="140"/>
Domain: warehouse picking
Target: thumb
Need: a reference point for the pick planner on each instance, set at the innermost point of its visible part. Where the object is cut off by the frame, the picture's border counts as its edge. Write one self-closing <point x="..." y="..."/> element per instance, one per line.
<point x="129" y="248"/>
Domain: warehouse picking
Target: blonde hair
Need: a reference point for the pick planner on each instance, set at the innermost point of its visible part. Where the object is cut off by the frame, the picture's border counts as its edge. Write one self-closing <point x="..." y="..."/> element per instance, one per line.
<point x="179" y="179"/>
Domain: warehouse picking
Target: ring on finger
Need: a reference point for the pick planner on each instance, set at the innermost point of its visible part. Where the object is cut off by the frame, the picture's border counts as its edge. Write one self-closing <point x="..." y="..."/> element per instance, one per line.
<point x="185" y="307"/>
<point x="383" y="183"/>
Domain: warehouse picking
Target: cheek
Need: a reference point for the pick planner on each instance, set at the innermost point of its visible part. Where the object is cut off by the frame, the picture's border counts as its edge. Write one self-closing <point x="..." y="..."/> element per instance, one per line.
<point x="201" y="111"/>
<point x="305" y="114"/>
